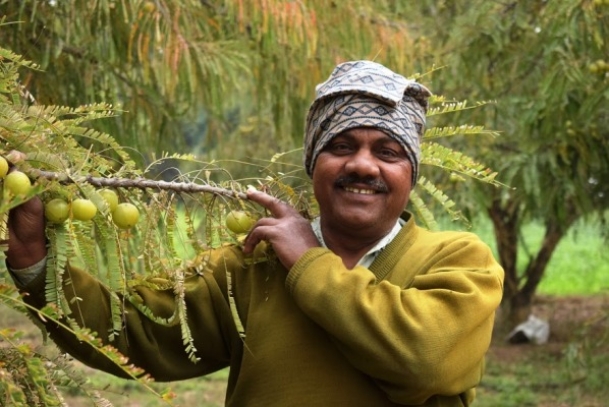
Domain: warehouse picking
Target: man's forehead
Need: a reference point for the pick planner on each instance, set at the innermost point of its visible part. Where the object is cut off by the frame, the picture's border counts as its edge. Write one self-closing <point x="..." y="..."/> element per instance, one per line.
<point x="378" y="135"/>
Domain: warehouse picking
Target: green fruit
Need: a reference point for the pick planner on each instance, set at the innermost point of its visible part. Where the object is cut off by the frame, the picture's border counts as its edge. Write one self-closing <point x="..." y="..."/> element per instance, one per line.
<point x="17" y="183"/>
<point x="148" y="7"/>
<point x="110" y="197"/>
<point x="126" y="215"/>
<point x="3" y="167"/>
<point x="56" y="210"/>
<point x="593" y="67"/>
<point x="83" y="209"/>
<point x="239" y="222"/>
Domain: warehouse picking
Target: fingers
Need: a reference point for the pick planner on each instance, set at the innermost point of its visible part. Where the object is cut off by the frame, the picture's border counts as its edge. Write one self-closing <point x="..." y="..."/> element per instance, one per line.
<point x="264" y="229"/>
<point x="26" y="221"/>
<point x="15" y="156"/>
<point x="256" y="235"/>
<point x="290" y="238"/>
<point x="27" y="239"/>
<point x="275" y="206"/>
<point x="286" y="230"/>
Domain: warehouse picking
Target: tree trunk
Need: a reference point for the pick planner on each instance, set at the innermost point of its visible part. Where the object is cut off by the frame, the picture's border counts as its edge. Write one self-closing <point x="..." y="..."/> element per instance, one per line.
<point x="505" y="225"/>
<point x="518" y="297"/>
<point x="535" y="269"/>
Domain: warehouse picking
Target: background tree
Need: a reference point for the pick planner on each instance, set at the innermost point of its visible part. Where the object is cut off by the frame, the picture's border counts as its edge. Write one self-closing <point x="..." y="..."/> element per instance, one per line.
<point x="236" y="69"/>
<point x="545" y="64"/>
<point x="215" y="70"/>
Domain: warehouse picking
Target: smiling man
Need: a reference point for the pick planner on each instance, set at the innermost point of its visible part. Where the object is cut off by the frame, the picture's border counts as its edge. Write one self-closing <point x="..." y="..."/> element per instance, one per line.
<point x="363" y="308"/>
<point x="362" y="181"/>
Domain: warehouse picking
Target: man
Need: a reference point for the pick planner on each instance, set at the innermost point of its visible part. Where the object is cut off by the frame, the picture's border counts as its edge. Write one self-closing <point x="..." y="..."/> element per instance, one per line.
<point x="362" y="308"/>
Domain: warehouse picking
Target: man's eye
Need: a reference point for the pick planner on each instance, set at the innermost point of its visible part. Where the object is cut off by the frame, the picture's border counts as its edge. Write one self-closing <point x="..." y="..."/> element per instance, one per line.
<point x="339" y="148"/>
<point x="388" y="153"/>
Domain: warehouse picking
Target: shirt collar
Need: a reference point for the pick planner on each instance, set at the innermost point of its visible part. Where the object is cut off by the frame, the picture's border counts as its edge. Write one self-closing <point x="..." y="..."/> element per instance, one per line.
<point x="372" y="254"/>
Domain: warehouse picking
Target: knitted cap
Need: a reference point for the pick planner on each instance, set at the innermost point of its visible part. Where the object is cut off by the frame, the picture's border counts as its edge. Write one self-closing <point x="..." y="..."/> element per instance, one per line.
<point x="367" y="94"/>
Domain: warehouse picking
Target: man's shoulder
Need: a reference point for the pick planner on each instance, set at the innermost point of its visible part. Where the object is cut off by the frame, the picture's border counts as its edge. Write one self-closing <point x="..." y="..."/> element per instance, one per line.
<point x="448" y="237"/>
<point x="420" y="239"/>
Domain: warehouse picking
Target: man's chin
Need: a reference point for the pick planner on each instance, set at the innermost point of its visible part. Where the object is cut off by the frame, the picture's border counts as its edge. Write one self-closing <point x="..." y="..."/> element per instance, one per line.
<point x="358" y="222"/>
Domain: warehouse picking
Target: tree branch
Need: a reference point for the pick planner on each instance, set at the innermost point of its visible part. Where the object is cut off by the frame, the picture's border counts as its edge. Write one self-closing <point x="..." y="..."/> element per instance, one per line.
<point x="139" y="182"/>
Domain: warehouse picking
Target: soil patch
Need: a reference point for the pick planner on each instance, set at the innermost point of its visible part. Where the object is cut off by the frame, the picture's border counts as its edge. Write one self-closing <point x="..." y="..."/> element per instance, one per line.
<point x="570" y="318"/>
<point x="566" y="371"/>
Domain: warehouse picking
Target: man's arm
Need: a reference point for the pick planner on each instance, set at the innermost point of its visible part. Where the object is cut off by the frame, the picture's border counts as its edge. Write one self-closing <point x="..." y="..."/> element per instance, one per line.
<point x="140" y="337"/>
<point x="415" y="339"/>
<point x="422" y="331"/>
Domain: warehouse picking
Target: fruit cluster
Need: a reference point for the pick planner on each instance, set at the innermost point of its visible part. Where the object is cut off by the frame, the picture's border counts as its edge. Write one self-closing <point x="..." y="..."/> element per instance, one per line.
<point x="16" y="182"/>
<point x="599" y="66"/>
<point x="124" y="215"/>
<point x="57" y="210"/>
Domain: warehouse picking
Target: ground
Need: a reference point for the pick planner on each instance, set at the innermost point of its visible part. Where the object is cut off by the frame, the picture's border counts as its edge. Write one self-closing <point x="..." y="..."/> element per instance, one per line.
<point x="566" y="371"/>
<point x="567" y="316"/>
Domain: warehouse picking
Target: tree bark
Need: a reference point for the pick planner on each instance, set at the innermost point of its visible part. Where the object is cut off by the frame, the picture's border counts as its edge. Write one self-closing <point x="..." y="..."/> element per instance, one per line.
<point x="505" y="225"/>
<point x="534" y="271"/>
<point x="519" y="290"/>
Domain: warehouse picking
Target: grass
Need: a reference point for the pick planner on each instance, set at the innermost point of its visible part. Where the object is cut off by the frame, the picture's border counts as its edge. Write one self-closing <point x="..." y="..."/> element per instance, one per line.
<point x="557" y="374"/>
<point x="520" y="385"/>
<point x="579" y="265"/>
<point x="205" y="391"/>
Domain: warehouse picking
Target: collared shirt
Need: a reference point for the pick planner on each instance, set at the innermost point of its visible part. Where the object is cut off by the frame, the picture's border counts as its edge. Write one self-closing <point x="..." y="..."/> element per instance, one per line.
<point x="373" y="253"/>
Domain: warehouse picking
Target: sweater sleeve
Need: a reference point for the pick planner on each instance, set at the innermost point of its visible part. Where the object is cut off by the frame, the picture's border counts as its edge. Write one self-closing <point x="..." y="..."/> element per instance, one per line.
<point x="422" y="331"/>
<point x="157" y="348"/>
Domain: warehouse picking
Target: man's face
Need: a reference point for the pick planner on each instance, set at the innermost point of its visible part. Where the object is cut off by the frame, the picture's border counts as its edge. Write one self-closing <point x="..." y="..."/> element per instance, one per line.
<point x="362" y="181"/>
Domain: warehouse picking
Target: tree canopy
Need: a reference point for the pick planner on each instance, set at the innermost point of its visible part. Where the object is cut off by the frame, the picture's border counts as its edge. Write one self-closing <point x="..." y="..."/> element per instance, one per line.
<point x="170" y="64"/>
<point x="545" y="65"/>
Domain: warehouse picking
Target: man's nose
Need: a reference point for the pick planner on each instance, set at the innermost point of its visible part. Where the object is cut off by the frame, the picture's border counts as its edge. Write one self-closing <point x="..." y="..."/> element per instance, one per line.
<point x="363" y="163"/>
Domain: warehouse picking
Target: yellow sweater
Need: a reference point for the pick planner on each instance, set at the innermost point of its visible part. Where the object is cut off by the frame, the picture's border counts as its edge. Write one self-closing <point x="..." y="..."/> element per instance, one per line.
<point x="411" y="330"/>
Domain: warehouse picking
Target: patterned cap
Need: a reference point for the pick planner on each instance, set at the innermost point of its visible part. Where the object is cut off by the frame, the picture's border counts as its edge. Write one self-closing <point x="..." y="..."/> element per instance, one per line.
<point x="367" y="94"/>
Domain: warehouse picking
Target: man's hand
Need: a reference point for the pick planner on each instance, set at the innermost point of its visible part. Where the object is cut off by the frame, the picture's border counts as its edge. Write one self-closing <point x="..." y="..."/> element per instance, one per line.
<point x="27" y="240"/>
<point x="287" y="231"/>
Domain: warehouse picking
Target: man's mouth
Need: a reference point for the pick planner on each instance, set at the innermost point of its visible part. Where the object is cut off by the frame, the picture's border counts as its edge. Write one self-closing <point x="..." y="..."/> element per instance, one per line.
<point x="358" y="185"/>
<point x="360" y="191"/>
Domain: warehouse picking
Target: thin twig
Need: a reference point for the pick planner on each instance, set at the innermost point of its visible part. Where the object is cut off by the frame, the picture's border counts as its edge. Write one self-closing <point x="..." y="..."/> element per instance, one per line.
<point x="139" y="182"/>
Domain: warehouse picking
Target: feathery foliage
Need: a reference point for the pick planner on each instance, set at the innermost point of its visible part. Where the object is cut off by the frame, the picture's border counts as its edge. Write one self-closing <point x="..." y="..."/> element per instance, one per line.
<point x="63" y="153"/>
<point x="69" y="155"/>
<point x="546" y="63"/>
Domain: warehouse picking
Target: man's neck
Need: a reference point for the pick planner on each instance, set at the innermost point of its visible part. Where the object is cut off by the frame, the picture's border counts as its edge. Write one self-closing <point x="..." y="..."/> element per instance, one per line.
<point x="351" y="245"/>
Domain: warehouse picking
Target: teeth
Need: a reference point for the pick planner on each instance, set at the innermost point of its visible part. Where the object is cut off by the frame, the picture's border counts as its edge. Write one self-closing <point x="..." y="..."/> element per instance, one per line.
<point x="360" y="191"/>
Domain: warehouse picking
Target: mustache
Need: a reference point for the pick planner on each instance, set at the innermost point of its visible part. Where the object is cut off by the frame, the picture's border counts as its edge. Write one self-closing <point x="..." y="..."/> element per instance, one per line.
<point x="373" y="183"/>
